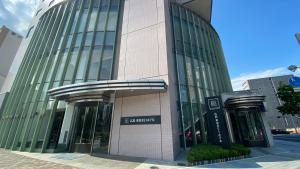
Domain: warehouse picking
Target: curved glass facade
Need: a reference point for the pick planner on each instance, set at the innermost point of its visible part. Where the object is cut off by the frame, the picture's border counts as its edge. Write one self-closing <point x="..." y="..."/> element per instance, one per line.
<point x="73" y="42"/>
<point x="201" y="71"/>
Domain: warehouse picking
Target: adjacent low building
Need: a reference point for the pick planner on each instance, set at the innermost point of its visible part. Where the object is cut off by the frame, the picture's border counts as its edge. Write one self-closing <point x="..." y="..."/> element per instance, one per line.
<point x="130" y="78"/>
<point x="268" y="87"/>
<point x="9" y="45"/>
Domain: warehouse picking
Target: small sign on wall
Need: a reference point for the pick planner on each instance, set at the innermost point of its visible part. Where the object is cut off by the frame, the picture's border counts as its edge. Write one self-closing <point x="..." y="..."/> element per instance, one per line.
<point x="141" y="120"/>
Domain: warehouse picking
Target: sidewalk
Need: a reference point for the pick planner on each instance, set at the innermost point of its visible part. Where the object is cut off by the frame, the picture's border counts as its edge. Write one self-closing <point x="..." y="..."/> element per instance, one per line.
<point x="284" y="155"/>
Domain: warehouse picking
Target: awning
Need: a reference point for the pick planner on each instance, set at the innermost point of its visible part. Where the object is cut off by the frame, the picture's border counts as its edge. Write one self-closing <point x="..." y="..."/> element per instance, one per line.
<point x="242" y="102"/>
<point x="101" y="90"/>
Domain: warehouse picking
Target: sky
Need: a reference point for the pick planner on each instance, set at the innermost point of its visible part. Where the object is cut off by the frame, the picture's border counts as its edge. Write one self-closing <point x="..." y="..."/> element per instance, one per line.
<point x="258" y="36"/>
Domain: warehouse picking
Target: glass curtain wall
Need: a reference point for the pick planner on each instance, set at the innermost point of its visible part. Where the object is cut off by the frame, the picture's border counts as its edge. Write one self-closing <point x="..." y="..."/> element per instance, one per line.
<point x="201" y="71"/>
<point x="73" y="42"/>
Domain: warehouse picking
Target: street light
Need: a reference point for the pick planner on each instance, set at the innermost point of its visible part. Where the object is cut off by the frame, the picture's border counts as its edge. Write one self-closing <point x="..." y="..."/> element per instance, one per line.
<point x="293" y="68"/>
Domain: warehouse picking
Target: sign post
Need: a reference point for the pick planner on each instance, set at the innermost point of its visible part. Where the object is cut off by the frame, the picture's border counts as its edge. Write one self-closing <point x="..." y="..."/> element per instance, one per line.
<point x="217" y="129"/>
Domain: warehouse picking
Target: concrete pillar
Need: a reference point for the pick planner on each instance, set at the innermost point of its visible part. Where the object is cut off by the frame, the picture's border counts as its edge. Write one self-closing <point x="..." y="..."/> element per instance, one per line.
<point x="66" y="126"/>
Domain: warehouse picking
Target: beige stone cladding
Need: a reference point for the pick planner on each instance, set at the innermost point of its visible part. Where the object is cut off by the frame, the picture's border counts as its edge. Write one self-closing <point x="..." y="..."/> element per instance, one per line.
<point x="146" y="53"/>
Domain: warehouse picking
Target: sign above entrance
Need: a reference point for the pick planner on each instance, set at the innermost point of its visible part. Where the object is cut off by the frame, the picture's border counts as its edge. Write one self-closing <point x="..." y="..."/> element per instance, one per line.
<point x="141" y="120"/>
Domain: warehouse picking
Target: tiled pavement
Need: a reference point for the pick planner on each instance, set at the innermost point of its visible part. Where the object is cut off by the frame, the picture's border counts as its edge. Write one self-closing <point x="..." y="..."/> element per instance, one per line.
<point x="284" y="155"/>
<point x="86" y="161"/>
<point x="9" y="160"/>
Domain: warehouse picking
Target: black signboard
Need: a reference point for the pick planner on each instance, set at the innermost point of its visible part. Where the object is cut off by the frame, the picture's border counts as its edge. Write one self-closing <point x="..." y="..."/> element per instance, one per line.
<point x="140" y="120"/>
<point x="217" y="128"/>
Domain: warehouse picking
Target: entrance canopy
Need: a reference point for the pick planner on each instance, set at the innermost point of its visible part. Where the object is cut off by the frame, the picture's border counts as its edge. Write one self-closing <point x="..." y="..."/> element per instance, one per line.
<point x="101" y="90"/>
<point x="245" y="102"/>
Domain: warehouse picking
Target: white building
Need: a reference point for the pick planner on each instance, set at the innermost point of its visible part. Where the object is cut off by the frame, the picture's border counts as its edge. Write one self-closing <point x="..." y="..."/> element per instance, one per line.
<point x="9" y="45"/>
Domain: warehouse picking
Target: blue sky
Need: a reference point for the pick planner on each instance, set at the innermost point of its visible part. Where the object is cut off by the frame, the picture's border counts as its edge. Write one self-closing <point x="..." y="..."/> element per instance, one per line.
<point x="257" y="35"/>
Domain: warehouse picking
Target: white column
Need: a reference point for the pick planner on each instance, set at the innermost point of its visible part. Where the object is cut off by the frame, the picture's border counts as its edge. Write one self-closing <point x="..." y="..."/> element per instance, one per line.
<point x="65" y="129"/>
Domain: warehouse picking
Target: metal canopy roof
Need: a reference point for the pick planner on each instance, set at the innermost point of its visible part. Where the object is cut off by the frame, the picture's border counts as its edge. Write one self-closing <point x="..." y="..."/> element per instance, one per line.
<point x="101" y="90"/>
<point x="244" y="102"/>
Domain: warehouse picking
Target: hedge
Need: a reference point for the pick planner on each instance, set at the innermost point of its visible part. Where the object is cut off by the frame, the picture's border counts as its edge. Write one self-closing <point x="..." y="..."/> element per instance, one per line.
<point x="205" y="152"/>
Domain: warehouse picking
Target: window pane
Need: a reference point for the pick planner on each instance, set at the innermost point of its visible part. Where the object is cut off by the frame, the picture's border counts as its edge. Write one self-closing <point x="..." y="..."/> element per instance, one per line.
<point x="82" y="64"/>
<point x="83" y="20"/>
<point x="96" y="3"/>
<point x="106" y="64"/>
<point x="69" y="41"/>
<point x="72" y="64"/>
<point x="102" y="21"/>
<point x="78" y="40"/>
<point x="99" y="38"/>
<point x="74" y="22"/>
<point x="95" y="63"/>
<point x="114" y="5"/>
<point x="110" y="38"/>
<point x="180" y="68"/>
<point x="93" y="20"/>
<point x="112" y="21"/>
<point x="89" y="39"/>
<point x="50" y="73"/>
<point x="86" y="3"/>
<point x="104" y="5"/>
<point x="61" y="67"/>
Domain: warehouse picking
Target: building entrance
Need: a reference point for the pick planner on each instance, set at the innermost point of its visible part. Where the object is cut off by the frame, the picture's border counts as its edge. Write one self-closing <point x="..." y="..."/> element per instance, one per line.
<point x="248" y="128"/>
<point x="91" y="127"/>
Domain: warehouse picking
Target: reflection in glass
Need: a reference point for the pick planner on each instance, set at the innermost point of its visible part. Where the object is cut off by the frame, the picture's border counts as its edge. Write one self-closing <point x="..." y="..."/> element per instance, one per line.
<point x="83" y="62"/>
<point x="107" y="60"/>
<point x="95" y="63"/>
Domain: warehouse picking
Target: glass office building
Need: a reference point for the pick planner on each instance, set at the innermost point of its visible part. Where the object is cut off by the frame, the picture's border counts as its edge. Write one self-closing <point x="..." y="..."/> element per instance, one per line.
<point x="201" y="71"/>
<point x="73" y="42"/>
<point x="120" y="77"/>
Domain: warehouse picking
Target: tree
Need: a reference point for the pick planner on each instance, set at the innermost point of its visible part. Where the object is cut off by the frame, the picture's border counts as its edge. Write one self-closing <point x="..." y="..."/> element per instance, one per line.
<point x="291" y="100"/>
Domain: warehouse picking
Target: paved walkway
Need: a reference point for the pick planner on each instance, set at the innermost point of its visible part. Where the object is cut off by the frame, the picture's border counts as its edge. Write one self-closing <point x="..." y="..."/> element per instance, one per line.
<point x="86" y="161"/>
<point x="284" y="155"/>
<point x="9" y="160"/>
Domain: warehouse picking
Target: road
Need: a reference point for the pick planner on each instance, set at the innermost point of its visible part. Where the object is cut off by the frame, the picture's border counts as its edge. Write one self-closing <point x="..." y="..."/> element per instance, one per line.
<point x="289" y="137"/>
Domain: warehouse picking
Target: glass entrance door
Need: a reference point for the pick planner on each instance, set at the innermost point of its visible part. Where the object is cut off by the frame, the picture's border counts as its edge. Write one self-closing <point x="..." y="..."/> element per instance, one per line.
<point x="91" y="128"/>
<point x="102" y="130"/>
<point x="249" y="128"/>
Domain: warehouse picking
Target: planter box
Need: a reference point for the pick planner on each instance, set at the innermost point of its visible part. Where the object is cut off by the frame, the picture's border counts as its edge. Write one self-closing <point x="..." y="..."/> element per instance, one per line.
<point x="216" y="161"/>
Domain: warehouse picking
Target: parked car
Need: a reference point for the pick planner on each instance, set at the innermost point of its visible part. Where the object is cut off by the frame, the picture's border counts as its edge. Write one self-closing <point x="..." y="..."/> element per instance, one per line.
<point x="279" y="131"/>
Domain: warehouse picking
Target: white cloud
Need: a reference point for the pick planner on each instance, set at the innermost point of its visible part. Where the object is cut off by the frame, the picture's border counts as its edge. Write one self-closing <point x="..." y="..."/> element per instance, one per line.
<point x="237" y="83"/>
<point x="17" y="14"/>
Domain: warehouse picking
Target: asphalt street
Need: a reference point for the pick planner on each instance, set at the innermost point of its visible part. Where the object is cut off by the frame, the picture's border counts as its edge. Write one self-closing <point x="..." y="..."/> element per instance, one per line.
<point x="288" y="137"/>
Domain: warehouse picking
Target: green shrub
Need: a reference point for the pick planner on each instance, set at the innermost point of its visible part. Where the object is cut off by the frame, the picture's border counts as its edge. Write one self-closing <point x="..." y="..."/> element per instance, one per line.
<point x="212" y="152"/>
<point x="241" y="149"/>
